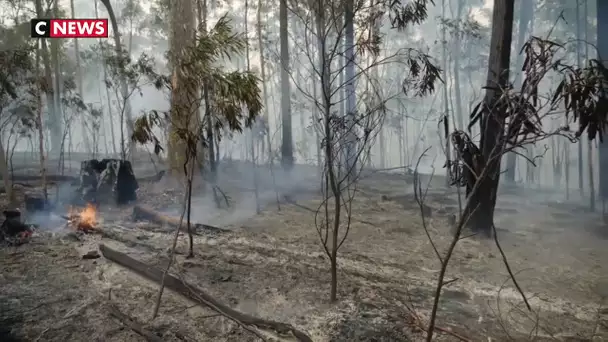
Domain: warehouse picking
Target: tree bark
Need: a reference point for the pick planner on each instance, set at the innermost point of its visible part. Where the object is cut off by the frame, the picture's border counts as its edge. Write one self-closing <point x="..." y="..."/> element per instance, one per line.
<point x="287" y="139"/>
<point x="483" y="201"/>
<point x="185" y="88"/>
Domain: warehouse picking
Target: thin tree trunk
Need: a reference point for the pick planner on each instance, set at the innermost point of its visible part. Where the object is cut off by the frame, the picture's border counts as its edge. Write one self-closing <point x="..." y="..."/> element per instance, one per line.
<point x="105" y="77"/>
<point x="446" y="109"/>
<point x="579" y="146"/>
<point x="40" y="129"/>
<point x="48" y="86"/>
<point x="526" y="13"/>
<point x="350" y="90"/>
<point x="124" y="88"/>
<point x="456" y="67"/>
<point x="264" y="87"/>
<point x="85" y="131"/>
<point x="589" y="142"/>
<point x="287" y="139"/>
<point x="602" y="47"/>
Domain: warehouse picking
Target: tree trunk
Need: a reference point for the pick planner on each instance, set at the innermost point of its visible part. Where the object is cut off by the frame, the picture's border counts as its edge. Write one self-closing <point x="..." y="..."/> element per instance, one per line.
<point x="263" y="76"/>
<point x="105" y="76"/>
<point x="287" y="139"/>
<point x="8" y="185"/>
<point x="207" y="114"/>
<point x="602" y="47"/>
<point x="57" y="123"/>
<point x="526" y="12"/>
<point x="456" y="56"/>
<point x="589" y="143"/>
<point x="349" y="74"/>
<point x="579" y="146"/>
<point x="446" y="109"/>
<point x="85" y="131"/>
<point x="40" y="128"/>
<point x="124" y="88"/>
<point x="54" y="115"/>
<point x="483" y="201"/>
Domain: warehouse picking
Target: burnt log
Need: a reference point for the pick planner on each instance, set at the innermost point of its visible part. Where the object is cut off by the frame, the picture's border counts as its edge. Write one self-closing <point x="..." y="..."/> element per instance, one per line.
<point x="144" y="213"/>
<point x="201" y="297"/>
<point x="13" y="230"/>
<point x="102" y="181"/>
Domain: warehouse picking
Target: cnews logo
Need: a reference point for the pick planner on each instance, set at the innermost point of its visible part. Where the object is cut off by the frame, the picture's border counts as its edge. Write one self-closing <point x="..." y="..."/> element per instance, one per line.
<point x="69" y="28"/>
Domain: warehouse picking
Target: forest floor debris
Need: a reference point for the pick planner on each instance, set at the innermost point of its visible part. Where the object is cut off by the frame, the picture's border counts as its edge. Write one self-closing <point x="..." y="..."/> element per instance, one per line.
<point x="271" y="265"/>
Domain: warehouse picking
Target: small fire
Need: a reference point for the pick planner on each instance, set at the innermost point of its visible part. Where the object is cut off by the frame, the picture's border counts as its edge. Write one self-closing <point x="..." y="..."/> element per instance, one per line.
<point x="84" y="219"/>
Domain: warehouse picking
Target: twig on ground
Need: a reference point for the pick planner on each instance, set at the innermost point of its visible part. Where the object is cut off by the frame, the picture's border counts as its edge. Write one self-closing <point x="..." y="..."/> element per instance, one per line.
<point x="132" y="324"/>
<point x="506" y="262"/>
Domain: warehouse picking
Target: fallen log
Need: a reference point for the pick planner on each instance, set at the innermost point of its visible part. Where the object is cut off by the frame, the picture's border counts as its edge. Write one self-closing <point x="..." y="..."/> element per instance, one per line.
<point x="199" y="296"/>
<point x="132" y="324"/>
<point x="141" y="212"/>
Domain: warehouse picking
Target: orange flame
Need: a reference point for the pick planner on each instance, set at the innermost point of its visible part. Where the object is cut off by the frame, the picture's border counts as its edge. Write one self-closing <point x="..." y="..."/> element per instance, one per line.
<point x="89" y="215"/>
<point x="84" y="219"/>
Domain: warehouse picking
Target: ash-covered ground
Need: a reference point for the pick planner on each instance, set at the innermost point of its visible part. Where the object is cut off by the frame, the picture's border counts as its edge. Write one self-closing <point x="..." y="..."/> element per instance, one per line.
<point x="272" y="265"/>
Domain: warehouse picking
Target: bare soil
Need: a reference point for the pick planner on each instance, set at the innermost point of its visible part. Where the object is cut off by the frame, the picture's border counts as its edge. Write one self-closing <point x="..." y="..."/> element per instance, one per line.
<point x="272" y="265"/>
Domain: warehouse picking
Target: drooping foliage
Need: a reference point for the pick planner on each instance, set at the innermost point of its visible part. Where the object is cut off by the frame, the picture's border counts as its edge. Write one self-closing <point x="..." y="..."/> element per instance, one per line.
<point x="229" y="92"/>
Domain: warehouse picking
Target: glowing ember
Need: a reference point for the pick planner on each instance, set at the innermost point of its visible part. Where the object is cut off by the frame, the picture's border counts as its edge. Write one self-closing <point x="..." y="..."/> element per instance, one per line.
<point x="84" y="219"/>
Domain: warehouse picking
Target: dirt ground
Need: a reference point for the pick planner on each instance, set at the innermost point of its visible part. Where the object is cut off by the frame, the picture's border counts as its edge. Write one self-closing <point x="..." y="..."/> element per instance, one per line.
<point x="272" y="265"/>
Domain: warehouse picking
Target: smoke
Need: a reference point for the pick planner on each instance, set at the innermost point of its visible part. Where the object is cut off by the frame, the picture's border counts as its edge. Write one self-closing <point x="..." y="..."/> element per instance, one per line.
<point x="237" y="181"/>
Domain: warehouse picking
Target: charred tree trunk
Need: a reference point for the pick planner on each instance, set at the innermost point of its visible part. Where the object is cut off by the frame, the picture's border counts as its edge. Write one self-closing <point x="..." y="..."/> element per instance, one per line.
<point x="589" y="143"/>
<point x="483" y="201"/>
<point x="602" y="47"/>
<point x="579" y="38"/>
<point x="287" y="140"/>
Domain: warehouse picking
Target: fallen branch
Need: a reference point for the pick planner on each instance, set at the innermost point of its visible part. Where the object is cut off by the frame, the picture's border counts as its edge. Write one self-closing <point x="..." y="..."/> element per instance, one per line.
<point x="144" y="213"/>
<point x="199" y="296"/>
<point x="132" y="324"/>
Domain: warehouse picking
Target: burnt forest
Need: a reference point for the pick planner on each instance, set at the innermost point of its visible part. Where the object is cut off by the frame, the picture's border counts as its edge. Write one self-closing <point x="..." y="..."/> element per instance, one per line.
<point x="323" y="170"/>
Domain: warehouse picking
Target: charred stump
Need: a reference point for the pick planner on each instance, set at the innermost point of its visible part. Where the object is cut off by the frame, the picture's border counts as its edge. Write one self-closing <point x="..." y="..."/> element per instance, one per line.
<point x="107" y="180"/>
<point x="13" y="231"/>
